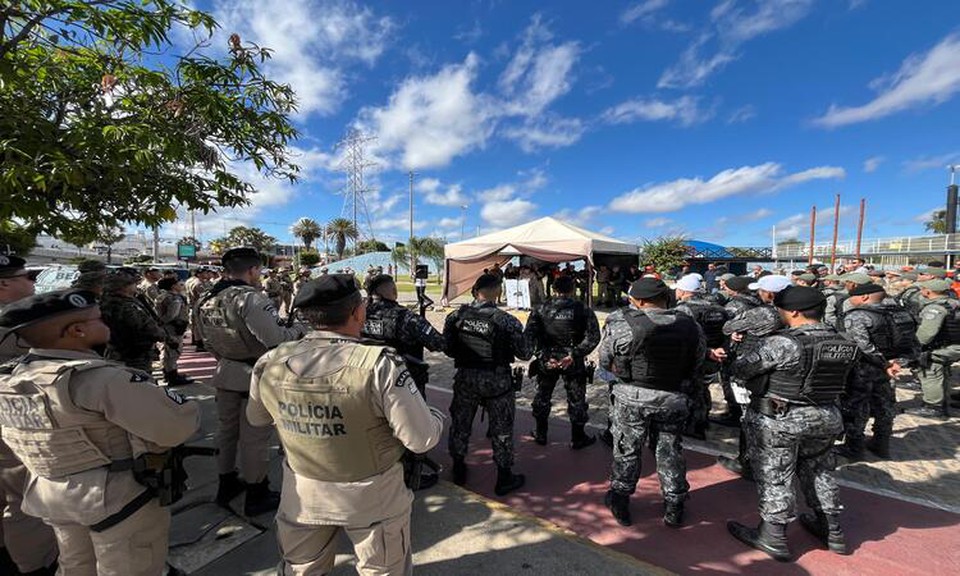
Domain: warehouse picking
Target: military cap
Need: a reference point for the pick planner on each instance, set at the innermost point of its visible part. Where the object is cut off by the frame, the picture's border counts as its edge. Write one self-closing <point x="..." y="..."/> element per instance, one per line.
<point x="807" y="277"/>
<point x="378" y="281"/>
<point x="326" y="291"/>
<point x="12" y="266"/>
<point x="689" y="283"/>
<point x="909" y="276"/>
<point x="167" y="283"/>
<point x="797" y="273"/>
<point x="772" y="283"/>
<point x="856" y="278"/>
<point x="563" y="285"/>
<point x="875" y="273"/>
<point x="238" y="253"/>
<point x="120" y="277"/>
<point x="831" y="277"/>
<point x="486" y="282"/>
<point x="892" y="273"/>
<point x="40" y="307"/>
<point x="935" y="272"/>
<point x="648" y="288"/>
<point x="88" y="266"/>
<point x="739" y="283"/>
<point x="935" y="285"/>
<point x="798" y="298"/>
<point x="864" y="289"/>
<point x="727" y="276"/>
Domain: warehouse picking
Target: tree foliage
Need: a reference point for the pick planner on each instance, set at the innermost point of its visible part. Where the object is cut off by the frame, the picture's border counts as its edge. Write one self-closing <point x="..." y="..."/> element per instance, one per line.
<point x="937" y="222"/>
<point x="665" y="252"/>
<point x="341" y="230"/>
<point x="15" y="239"/>
<point x="307" y="230"/>
<point x="190" y="241"/>
<point x="245" y="236"/>
<point x="372" y="245"/>
<point x="103" y="120"/>
<point x="309" y="257"/>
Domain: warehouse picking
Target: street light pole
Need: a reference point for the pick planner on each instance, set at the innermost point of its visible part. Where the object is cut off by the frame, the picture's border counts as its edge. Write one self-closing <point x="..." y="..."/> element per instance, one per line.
<point x="413" y="263"/>
<point x="463" y="218"/>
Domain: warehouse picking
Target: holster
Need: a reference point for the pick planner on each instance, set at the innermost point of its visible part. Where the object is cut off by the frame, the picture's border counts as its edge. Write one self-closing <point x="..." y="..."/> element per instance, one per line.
<point x="771" y="407"/>
<point x="164" y="474"/>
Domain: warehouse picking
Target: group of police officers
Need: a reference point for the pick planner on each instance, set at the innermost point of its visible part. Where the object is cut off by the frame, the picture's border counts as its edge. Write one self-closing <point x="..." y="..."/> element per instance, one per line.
<point x="89" y="443"/>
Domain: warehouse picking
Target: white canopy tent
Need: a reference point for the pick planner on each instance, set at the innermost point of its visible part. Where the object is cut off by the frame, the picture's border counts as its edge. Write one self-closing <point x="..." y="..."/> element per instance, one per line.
<point x="546" y="239"/>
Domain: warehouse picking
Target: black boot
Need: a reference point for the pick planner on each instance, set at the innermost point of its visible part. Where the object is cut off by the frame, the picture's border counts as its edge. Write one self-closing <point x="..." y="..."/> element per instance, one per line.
<point x="880" y="446"/>
<point x="851" y="449"/>
<point x="539" y="433"/>
<point x="50" y="570"/>
<point x="673" y="514"/>
<point x="230" y="487"/>
<point x="579" y="438"/>
<point x="507" y="481"/>
<point x="607" y="438"/>
<point x="459" y="471"/>
<point x="260" y="499"/>
<point x="928" y="411"/>
<point x="174" y="378"/>
<point x="619" y="505"/>
<point x="826" y="529"/>
<point x="769" y="538"/>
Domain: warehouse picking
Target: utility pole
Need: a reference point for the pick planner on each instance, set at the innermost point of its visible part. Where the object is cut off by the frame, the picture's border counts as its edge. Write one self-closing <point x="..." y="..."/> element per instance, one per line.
<point x="813" y="233"/>
<point x="193" y="224"/>
<point x="463" y="218"/>
<point x="156" y="243"/>
<point x="354" y="164"/>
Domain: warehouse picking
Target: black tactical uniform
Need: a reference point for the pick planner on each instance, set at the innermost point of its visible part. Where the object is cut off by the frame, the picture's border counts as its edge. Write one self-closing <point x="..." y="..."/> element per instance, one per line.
<point x="135" y="328"/>
<point x="655" y="355"/>
<point x="711" y="318"/>
<point x="483" y="341"/>
<point x="796" y="376"/>
<point x="562" y="328"/>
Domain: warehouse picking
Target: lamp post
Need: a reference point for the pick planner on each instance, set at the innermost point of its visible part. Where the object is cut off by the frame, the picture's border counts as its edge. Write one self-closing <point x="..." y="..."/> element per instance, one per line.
<point x="463" y="218"/>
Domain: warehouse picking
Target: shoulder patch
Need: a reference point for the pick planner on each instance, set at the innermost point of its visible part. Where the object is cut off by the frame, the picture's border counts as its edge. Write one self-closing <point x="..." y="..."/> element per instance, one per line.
<point x="404" y="379"/>
<point x="394" y="357"/>
<point x="176" y="397"/>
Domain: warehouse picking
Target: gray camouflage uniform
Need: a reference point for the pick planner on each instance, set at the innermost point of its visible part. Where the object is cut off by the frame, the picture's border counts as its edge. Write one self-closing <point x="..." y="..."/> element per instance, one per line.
<point x="574" y="378"/>
<point x="637" y="412"/>
<point x="701" y="401"/>
<point x="871" y="391"/>
<point x="797" y="443"/>
<point x="740" y="303"/>
<point x="491" y="389"/>
<point x="413" y="334"/>
<point x="134" y="331"/>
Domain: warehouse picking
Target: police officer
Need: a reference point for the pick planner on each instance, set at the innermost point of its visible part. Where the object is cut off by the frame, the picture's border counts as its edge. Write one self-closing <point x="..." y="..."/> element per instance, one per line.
<point x="25" y="541"/>
<point x="711" y="318"/>
<point x="886" y="335"/>
<point x="345" y="413"/>
<point x="273" y="288"/>
<point x="656" y="355"/>
<point x="92" y="275"/>
<point x="78" y="422"/>
<point x="194" y="288"/>
<point x="483" y="341"/>
<point x="836" y="303"/>
<point x="174" y="315"/>
<point x="134" y="326"/>
<point x="740" y="298"/>
<point x="909" y="296"/>
<point x="147" y="288"/>
<point x="408" y="334"/>
<point x="796" y="377"/>
<point x="239" y="324"/>
<point x="563" y="332"/>
<point x="939" y="337"/>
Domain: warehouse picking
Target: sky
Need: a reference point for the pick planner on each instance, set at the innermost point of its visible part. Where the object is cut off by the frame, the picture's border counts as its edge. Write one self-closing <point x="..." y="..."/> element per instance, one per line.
<point x="716" y="119"/>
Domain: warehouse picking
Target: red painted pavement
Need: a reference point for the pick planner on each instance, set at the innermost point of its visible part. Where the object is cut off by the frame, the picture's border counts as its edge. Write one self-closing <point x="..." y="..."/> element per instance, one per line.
<point x="888" y="537"/>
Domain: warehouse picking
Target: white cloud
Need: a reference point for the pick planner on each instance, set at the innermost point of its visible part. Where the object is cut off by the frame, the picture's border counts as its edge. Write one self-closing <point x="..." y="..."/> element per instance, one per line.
<point x="539" y="71"/>
<point x="758" y="214"/>
<point x="798" y="225"/>
<point x="584" y="217"/>
<point x="449" y="223"/>
<point x="497" y="193"/>
<point x="312" y="42"/>
<point x="923" y="80"/>
<point x="504" y="214"/>
<point x="453" y="197"/>
<point x="733" y="23"/>
<point x="641" y="10"/>
<point x="657" y="222"/>
<point x="871" y="164"/>
<point x="742" y="114"/>
<point x="685" y="110"/>
<point x="674" y="195"/>
<point x="932" y="162"/>
<point x="854" y="4"/>
<point x="546" y="132"/>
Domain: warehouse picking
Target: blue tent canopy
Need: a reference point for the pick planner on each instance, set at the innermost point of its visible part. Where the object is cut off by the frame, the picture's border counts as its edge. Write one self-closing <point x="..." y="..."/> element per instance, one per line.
<point x="702" y="249"/>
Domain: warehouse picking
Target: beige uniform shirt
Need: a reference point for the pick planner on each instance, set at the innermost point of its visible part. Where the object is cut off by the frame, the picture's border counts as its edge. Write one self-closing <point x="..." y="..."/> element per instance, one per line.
<point x="261" y="318"/>
<point x="361" y="503"/>
<point x="155" y="418"/>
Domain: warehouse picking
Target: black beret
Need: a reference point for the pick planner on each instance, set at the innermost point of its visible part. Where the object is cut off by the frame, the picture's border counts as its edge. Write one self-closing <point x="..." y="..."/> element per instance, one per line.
<point x="563" y="284"/>
<point x="326" y="290"/>
<point x="91" y="266"/>
<point x="239" y="253"/>
<point x="739" y="283"/>
<point x="39" y="307"/>
<point x="863" y="289"/>
<point x="486" y="282"/>
<point x="378" y="281"/>
<point x="648" y="288"/>
<point x="11" y="265"/>
<point x="798" y="298"/>
<point x="167" y="283"/>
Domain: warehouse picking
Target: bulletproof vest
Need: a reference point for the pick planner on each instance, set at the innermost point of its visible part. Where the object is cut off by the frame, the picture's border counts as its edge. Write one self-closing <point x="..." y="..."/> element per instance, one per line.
<point x="480" y="342"/>
<point x="224" y="330"/>
<point x="950" y="329"/>
<point x="909" y="299"/>
<point x="326" y="421"/>
<point x="661" y="356"/>
<point x="383" y="325"/>
<point x="711" y="319"/>
<point x="564" y="323"/>
<point x="820" y="376"/>
<point x="839" y="299"/>
<point x="894" y="332"/>
<point x="51" y="435"/>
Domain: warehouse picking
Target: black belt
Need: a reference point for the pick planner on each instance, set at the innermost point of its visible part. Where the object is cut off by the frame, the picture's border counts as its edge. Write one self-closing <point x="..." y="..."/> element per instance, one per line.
<point x="774" y="407"/>
<point x="127" y="511"/>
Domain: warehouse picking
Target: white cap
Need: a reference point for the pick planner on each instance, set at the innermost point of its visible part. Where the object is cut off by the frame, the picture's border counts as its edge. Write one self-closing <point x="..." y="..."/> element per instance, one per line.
<point x="771" y="283"/>
<point x="695" y="275"/>
<point x="689" y="283"/>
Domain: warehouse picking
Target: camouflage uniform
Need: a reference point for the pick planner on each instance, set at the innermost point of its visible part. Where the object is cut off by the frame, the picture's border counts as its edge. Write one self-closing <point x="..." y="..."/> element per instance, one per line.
<point x="491" y="388"/>
<point x="134" y="331"/>
<point x="406" y="332"/>
<point x="797" y="442"/>
<point x="910" y="298"/>
<point x="174" y="316"/>
<point x="148" y="292"/>
<point x="938" y="335"/>
<point x="711" y="318"/>
<point x="574" y="377"/>
<point x="740" y="303"/>
<point x="639" y="411"/>
<point x="834" y="312"/>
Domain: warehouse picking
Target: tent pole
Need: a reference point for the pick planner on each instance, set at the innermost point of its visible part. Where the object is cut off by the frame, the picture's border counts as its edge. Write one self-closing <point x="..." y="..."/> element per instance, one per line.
<point x="589" y="266"/>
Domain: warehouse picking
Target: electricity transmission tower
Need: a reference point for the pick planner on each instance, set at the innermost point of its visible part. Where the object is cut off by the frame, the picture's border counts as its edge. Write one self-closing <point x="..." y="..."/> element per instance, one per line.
<point x="353" y="165"/>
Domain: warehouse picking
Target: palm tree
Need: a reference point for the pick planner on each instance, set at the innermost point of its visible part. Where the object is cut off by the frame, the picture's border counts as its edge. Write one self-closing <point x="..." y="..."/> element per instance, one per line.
<point x="342" y="230"/>
<point x="432" y="249"/>
<point x="400" y="257"/>
<point x="307" y="230"/>
<point x="937" y="222"/>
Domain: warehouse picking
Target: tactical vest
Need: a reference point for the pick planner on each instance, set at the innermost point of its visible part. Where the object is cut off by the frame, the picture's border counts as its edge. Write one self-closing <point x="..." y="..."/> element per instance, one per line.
<point x="949" y="334"/>
<point x="564" y="323"/>
<point x="662" y="356"/>
<point x="895" y="330"/>
<point x="711" y="319"/>
<point x="480" y="342"/>
<point x="52" y="436"/>
<point x="326" y="422"/>
<point x="826" y="359"/>
<point x="224" y="331"/>
<point x="383" y="325"/>
<point x="909" y="299"/>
